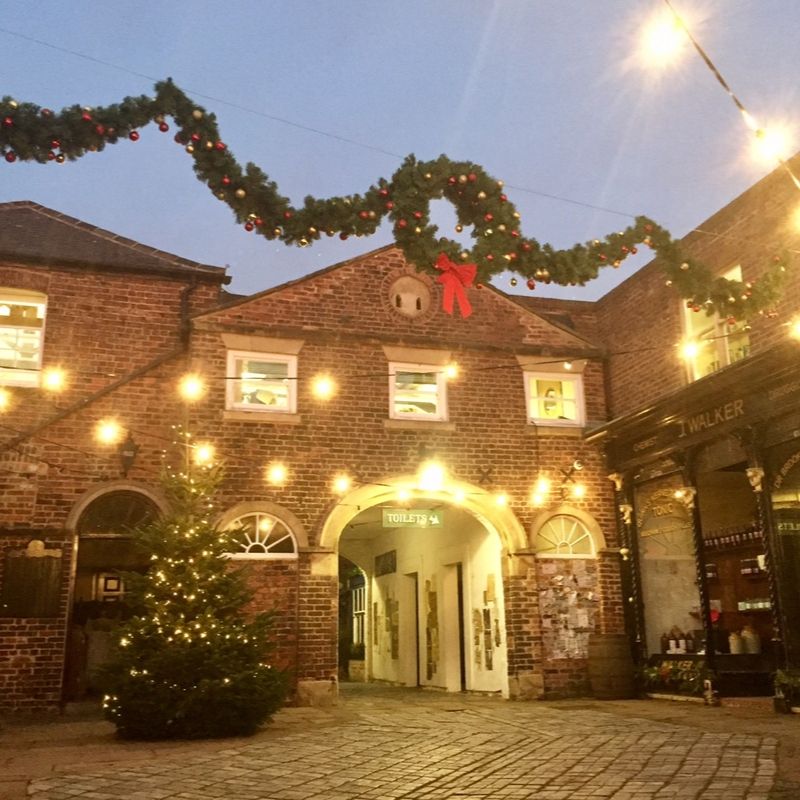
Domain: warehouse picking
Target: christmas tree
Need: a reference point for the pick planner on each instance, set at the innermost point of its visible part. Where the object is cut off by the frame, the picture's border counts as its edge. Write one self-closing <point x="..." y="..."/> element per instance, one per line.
<point x="190" y="662"/>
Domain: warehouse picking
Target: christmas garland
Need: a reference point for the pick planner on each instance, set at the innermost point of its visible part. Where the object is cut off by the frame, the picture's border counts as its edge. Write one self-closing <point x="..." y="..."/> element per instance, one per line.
<point x="31" y="133"/>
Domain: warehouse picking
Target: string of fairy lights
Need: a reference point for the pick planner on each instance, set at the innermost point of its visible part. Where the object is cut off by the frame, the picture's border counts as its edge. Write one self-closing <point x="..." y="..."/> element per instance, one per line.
<point x="192" y="388"/>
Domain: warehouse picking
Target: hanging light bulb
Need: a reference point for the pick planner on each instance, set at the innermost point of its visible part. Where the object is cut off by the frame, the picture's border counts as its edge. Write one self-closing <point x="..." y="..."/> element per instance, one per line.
<point x="277" y="474"/>
<point x="794" y="328"/>
<point x="108" y="431"/>
<point x="663" y="38"/>
<point x="203" y="454"/>
<point x="542" y="485"/>
<point x="341" y="483"/>
<point x="451" y="371"/>
<point x="323" y="387"/>
<point x="54" y="379"/>
<point x="690" y="349"/>
<point x="431" y="476"/>
<point x="191" y="387"/>
<point x="578" y="491"/>
<point x="5" y="399"/>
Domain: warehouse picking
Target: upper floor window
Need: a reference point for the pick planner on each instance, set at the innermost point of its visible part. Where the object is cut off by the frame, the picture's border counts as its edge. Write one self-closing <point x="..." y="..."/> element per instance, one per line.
<point x="417" y="391"/>
<point x="260" y="535"/>
<point x="21" y="326"/>
<point x="719" y="344"/>
<point x="554" y="399"/>
<point x="262" y="382"/>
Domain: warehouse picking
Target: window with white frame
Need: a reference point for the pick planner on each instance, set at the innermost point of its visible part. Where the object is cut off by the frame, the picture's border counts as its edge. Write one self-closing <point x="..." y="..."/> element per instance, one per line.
<point x="564" y="536"/>
<point x="22" y="316"/>
<point x="554" y="398"/>
<point x="417" y="391"/>
<point x="261" y="536"/>
<point x="261" y="382"/>
<point x="720" y="344"/>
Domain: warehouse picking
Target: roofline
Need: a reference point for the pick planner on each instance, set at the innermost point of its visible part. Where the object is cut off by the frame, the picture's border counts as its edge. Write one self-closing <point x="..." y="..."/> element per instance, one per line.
<point x="295" y="282"/>
<point x="173" y="263"/>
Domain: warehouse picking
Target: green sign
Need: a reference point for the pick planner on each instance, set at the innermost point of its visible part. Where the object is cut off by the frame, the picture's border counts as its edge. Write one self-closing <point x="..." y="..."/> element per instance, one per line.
<point x="412" y="518"/>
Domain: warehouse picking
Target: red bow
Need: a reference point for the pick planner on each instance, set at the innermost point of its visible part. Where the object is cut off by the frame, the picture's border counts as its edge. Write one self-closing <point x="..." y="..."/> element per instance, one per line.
<point x="455" y="278"/>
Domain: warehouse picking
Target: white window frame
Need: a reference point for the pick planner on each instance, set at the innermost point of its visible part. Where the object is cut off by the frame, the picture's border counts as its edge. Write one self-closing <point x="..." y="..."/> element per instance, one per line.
<point x="717" y="333"/>
<point x="576" y="379"/>
<point x="247" y="554"/>
<point x="23" y="376"/>
<point x="570" y="524"/>
<point x="234" y="381"/>
<point x="441" y="391"/>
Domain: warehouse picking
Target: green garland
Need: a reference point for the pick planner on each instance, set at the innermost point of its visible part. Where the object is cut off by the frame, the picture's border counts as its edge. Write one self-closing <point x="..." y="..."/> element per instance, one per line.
<point x="31" y="133"/>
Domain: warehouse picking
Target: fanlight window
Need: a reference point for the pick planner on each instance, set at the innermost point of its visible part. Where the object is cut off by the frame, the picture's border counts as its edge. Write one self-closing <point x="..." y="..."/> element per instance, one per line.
<point x="261" y="536"/>
<point x="564" y="536"/>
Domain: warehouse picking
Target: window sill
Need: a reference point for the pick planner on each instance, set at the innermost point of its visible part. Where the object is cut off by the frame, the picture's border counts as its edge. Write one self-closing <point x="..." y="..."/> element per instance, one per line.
<point x="418" y="425"/>
<point x="575" y="431"/>
<point x="262" y="417"/>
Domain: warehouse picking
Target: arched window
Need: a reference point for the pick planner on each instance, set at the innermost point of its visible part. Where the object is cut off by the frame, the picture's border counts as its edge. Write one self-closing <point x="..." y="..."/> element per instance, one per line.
<point x="116" y="513"/>
<point x="262" y="536"/>
<point x="564" y="536"/>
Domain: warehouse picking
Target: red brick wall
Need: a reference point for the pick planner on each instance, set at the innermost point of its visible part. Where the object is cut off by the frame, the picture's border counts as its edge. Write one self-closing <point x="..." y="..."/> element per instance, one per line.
<point x="640" y="322"/>
<point x="99" y="327"/>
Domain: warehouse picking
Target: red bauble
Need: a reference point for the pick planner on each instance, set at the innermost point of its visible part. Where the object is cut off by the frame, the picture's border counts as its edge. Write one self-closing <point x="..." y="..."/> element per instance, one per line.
<point x="731" y="320"/>
<point x="258" y="221"/>
<point x="531" y="284"/>
<point x="51" y="155"/>
<point x="55" y="144"/>
<point x="648" y="228"/>
<point x="100" y="130"/>
<point x="163" y="127"/>
<point x="472" y="177"/>
<point x="624" y="249"/>
<point x="11" y="156"/>
<point x="452" y="180"/>
<point x="503" y="198"/>
<point x="226" y="181"/>
<point x="287" y="214"/>
<point x="363" y="214"/>
<point x="219" y="146"/>
<point x="8" y="122"/>
<point x="634" y="251"/>
<point x="343" y="236"/>
<point x="134" y="136"/>
<point x="490" y="257"/>
<point x="488" y="217"/>
<point x="383" y="192"/>
<point x="402" y="223"/>
<point x="389" y="205"/>
<point x="46" y="112"/>
<point x="195" y="137"/>
<point x="248" y="226"/>
<point x="515" y="234"/>
<point x="602" y="257"/>
<point x="86" y="117"/>
<point x="526" y="247"/>
<point x="417" y="215"/>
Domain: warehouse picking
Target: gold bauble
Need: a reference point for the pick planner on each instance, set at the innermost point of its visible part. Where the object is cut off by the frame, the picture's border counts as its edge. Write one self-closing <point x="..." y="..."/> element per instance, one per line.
<point x="459" y="228"/>
<point x="190" y="148"/>
<point x="501" y="228"/>
<point x="417" y="229"/>
<point x="13" y="103"/>
<point x="507" y="257"/>
<point x="428" y="176"/>
<point x="516" y="215"/>
<point x="303" y="243"/>
<point x="221" y="195"/>
<point x="684" y="266"/>
<point x="513" y="281"/>
<point x="276" y="231"/>
<point x="488" y="232"/>
<point x="240" y="193"/>
<point x="481" y="195"/>
<point x="209" y="145"/>
<point x="462" y="178"/>
<point x="464" y="255"/>
<point x="197" y="114"/>
<point x="668" y="283"/>
<point x="501" y="184"/>
<point x="372" y="215"/>
<point x="312" y="231"/>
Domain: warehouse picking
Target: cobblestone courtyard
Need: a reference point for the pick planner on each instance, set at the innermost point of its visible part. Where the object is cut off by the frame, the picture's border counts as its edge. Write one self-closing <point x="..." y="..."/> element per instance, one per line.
<point x="380" y="744"/>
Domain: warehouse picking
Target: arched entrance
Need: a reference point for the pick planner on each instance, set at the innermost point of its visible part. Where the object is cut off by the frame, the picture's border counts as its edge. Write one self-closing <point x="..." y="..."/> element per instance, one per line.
<point x="103" y="523"/>
<point x="434" y="561"/>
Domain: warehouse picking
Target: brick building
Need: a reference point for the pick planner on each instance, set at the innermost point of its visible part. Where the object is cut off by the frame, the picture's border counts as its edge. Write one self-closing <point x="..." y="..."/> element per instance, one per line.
<point x="468" y="572"/>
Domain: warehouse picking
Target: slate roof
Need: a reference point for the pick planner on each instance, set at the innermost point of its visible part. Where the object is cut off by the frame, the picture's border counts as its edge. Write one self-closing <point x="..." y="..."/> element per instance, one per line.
<point x="32" y="233"/>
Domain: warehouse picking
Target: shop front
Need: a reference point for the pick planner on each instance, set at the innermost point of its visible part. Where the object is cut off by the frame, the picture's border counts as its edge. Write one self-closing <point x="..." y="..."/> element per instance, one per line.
<point x="708" y="499"/>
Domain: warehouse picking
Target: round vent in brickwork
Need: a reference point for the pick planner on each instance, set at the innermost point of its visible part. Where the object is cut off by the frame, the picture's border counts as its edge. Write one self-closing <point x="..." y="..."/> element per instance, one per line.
<point x="409" y="296"/>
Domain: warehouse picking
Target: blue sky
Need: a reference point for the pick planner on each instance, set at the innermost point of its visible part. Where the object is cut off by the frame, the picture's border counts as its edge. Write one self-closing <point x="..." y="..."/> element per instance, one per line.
<point x="548" y="96"/>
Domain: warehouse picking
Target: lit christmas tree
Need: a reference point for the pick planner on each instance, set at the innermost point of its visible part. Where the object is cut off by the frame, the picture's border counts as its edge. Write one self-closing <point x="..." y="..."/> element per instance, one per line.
<point x="191" y="662"/>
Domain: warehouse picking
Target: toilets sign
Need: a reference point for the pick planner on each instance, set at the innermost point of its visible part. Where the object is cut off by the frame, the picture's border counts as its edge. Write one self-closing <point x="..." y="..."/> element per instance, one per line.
<point x="412" y="518"/>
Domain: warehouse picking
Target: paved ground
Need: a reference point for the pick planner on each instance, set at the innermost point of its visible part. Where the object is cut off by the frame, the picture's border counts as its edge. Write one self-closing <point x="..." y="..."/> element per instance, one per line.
<point x="382" y="744"/>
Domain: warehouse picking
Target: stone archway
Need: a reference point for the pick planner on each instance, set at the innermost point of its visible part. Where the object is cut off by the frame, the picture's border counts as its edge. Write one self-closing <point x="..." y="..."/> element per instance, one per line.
<point x="435" y="595"/>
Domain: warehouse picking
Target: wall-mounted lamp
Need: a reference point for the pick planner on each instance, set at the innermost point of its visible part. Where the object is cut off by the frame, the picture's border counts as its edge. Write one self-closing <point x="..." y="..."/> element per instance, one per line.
<point x="127" y="454"/>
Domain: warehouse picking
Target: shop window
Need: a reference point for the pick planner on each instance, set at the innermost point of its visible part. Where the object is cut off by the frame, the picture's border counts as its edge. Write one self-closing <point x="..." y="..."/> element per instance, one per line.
<point x="261" y="382"/>
<point x="554" y="399"/>
<point x="116" y="513"/>
<point x="21" y="326"/>
<point x="417" y="391"/>
<point x="262" y="536"/>
<point x="720" y="344"/>
<point x="564" y="536"/>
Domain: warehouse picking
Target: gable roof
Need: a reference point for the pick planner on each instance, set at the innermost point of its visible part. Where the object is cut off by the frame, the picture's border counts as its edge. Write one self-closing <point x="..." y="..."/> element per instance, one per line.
<point x="352" y="299"/>
<point x="32" y="233"/>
